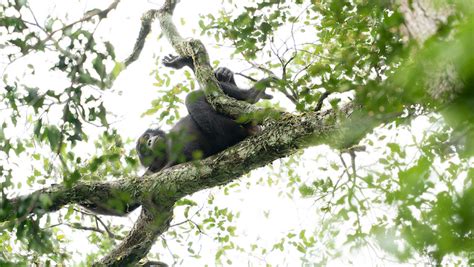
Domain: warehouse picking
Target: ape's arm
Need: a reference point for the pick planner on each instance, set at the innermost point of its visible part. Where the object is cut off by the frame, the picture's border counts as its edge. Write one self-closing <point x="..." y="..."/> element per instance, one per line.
<point x="226" y="80"/>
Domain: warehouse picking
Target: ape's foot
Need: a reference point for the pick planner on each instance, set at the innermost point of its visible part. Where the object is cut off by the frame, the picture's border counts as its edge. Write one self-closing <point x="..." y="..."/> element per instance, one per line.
<point x="224" y="74"/>
<point x="176" y="62"/>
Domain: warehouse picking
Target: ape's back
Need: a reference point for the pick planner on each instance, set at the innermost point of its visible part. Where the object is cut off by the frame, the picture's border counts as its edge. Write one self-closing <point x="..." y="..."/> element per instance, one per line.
<point x="203" y="131"/>
<point x="221" y="131"/>
<point x="187" y="142"/>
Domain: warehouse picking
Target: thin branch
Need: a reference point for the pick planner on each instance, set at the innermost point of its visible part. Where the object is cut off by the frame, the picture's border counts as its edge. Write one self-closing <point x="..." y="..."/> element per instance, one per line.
<point x="89" y="15"/>
<point x="321" y="100"/>
<point x="85" y="228"/>
<point x="154" y="264"/>
<point x="34" y="17"/>
<point x="157" y="193"/>
<point x="247" y="77"/>
<point x="145" y="29"/>
<point x="94" y="196"/>
<point x="97" y="221"/>
<point x="188" y="221"/>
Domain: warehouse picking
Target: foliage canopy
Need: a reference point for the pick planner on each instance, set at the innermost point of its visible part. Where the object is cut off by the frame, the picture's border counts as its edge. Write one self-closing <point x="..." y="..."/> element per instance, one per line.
<point x="398" y="179"/>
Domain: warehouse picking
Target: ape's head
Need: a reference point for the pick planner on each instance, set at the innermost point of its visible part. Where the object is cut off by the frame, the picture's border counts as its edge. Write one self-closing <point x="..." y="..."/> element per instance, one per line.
<point x="151" y="145"/>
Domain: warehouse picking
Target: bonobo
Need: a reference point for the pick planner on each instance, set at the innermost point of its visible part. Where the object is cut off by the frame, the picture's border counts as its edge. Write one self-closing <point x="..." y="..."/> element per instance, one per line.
<point x="203" y="132"/>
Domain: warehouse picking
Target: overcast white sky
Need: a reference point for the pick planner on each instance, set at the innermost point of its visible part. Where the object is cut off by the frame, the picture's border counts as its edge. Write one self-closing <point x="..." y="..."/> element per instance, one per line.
<point x="136" y="84"/>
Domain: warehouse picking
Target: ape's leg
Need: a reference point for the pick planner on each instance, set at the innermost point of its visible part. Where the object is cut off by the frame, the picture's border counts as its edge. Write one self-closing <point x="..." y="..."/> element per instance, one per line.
<point x="227" y="83"/>
<point x="223" y="130"/>
<point x="251" y="95"/>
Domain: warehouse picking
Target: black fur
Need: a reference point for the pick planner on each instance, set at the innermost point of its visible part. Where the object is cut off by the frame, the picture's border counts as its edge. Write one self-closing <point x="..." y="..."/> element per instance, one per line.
<point x="203" y="132"/>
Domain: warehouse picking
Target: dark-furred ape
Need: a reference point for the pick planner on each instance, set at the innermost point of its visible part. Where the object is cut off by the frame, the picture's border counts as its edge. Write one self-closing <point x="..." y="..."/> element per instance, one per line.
<point x="204" y="131"/>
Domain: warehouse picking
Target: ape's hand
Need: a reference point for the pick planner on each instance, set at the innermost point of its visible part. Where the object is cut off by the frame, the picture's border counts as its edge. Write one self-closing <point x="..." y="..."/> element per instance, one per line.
<point x="176" y="62"/>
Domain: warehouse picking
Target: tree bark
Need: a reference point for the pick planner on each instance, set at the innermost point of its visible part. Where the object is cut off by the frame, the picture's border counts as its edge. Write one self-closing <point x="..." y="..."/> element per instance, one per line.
<point x="151" y="223"/>
<point x="157" y="193"/>
<point x="421" y="20"/>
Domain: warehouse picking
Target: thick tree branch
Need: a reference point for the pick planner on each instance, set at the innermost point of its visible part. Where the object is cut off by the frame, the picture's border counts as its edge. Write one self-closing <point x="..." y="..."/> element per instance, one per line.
<point x="114" y="198"/>
<point x="151" y="223"/>
<point x="422" y="20"/>
<point x="159" y="192"/>
<point x="145" y="29"/>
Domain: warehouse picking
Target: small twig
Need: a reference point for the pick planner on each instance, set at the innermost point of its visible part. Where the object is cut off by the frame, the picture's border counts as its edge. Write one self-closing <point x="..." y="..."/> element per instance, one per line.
<point x="246" y="77"/>
<point x="293" y="25"/>
<point x="154" y="264"/>
<point x="353" y="156"/>
<point x="321" y="100"/>
<point x="354" y="149"/>
<point x="190" y="221"/>
<point x="86" y="228"/>
<point x="303" y="69"/>
<point x="88" y="16"/>
<point x="34" y="17"/>
<point x="112" y="235"/>
<point x="145" y="29"/>
<point x="260" y="67"/>
<point x="286" y="65"/>
<point x="273" y="75"/>
<point x="99" y="220"/>
<point x="165" y="242"/>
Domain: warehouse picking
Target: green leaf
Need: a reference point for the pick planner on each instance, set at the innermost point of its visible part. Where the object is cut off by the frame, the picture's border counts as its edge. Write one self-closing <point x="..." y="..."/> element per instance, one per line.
<point x="185" y="202"/>
<point x="117" y="69"/>
<point x="99" y="66"/>
<point x="20" y="3"/>
<point x="102" y="115"/>
<point x="306" y="191"/>
<point x="53" y="134"/>
<point x="71" y="179"/>
<point x="34" y="99"/>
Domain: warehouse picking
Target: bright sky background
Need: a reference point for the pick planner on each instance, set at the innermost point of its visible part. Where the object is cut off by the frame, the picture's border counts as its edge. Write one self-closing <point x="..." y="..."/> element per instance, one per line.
<point x="137" y="90"/>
